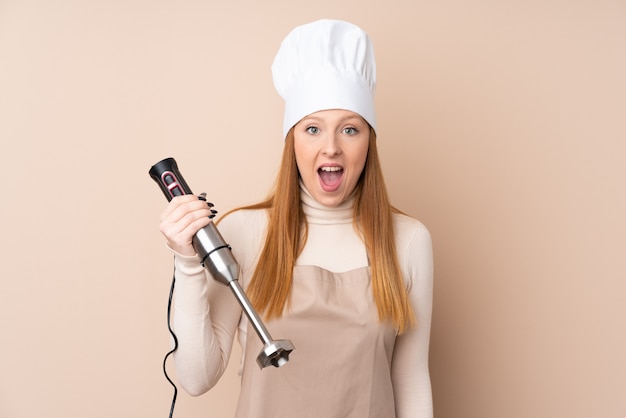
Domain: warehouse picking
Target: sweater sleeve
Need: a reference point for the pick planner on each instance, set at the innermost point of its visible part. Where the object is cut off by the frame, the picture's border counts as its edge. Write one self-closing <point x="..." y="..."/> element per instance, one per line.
<point x="205" y="321"/>
<point x="410" y="372"/>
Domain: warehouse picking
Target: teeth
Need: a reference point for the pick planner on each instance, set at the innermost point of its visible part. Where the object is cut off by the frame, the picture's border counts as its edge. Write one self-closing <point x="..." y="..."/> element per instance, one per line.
<point x="330" y="168"/>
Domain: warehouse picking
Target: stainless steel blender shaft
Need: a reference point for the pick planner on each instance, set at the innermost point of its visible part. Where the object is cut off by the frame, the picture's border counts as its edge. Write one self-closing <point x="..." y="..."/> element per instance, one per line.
<point x="218" y="259"/>
<point x="274" y="352"/>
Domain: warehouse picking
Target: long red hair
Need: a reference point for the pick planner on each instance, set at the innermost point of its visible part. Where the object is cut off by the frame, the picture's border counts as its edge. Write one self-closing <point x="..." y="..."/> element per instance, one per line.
<point x="271" y="282"/>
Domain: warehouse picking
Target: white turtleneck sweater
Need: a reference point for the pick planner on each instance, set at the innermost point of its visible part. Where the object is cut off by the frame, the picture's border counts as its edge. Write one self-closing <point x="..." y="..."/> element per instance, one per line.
<point x="207" y="315"/>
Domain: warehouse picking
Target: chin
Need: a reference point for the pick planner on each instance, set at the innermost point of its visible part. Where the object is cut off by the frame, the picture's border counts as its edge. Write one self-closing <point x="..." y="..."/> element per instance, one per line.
<point x="330" y="201"/>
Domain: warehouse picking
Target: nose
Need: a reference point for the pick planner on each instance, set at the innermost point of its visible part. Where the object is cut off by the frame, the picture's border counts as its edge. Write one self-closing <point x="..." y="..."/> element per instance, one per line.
<point x="331" y="146"/>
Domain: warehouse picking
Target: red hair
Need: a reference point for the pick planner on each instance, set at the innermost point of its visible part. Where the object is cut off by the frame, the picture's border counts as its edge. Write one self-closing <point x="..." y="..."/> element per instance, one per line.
<point x="287" y="234"/>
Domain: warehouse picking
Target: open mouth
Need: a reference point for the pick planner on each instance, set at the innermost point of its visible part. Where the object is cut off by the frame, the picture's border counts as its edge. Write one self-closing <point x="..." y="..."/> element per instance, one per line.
<point x="330" y="177"/>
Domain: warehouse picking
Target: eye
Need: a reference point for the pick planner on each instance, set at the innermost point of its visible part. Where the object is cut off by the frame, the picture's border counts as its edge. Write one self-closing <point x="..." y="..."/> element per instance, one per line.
<point x="312" y="130"/>
<point x="350" y="131"/>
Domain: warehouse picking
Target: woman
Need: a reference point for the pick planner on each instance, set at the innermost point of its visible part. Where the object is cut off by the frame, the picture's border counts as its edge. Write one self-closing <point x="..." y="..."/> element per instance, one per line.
<point x="325" y="259"/>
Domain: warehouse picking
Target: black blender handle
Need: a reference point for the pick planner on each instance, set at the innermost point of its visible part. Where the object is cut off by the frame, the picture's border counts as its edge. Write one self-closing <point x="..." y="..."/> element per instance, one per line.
<point x="169" y="179"/>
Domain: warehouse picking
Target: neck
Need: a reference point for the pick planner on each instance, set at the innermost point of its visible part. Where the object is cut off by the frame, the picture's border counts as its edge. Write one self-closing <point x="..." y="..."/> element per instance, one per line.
<point x="317" y="213"/>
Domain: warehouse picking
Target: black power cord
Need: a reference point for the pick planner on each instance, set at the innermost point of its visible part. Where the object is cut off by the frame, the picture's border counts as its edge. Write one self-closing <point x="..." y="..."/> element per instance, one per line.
<point x="169" y="327"/>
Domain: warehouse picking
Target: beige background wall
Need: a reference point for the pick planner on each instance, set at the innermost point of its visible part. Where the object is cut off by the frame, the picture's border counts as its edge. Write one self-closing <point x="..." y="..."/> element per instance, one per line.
<point x="502" y="127"/>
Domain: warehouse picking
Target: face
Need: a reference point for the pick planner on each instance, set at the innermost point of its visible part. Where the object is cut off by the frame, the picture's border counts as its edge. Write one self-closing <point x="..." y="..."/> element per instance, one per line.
<point x="331" y="148"/>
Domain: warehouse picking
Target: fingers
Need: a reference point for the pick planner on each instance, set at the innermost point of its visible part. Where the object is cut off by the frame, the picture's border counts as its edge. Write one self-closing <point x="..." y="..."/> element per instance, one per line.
<point x="179" y="205"/>
<point x="182" y="218"/>
<point x="202" y="196"/>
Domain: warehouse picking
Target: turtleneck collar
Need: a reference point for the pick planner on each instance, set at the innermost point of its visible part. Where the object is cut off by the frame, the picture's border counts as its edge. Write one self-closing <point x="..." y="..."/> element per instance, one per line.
<point x="317" y="213"/>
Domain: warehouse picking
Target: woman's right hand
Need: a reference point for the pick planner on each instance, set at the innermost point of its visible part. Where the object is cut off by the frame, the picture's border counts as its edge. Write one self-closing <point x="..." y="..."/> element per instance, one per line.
<point x="180" y="221"/>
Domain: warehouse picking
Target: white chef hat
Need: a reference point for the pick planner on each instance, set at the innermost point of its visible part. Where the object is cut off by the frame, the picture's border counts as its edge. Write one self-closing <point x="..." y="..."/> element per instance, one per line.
<point x="326" y="64"/>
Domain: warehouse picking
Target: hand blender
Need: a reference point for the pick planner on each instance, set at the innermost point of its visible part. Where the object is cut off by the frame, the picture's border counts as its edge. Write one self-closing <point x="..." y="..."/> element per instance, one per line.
<point x="217" y="258"/>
